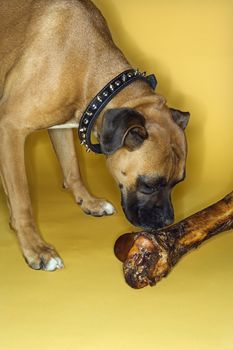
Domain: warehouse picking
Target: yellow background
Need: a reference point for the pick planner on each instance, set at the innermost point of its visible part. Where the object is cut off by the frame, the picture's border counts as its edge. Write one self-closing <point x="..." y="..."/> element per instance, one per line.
<point x="189" y="46"/>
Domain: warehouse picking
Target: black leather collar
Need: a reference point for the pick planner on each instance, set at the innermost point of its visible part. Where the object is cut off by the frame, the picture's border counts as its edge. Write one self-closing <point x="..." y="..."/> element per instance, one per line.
<point x="102" y="99"/>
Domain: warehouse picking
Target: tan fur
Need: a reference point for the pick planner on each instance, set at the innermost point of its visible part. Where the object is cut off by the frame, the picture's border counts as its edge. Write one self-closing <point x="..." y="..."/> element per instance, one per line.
<point x="54" y="56"/>
<point x="155" y="154"/>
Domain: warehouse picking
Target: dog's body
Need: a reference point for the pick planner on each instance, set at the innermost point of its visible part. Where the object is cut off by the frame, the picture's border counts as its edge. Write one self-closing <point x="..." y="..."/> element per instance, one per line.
<point x="55" y="55"/>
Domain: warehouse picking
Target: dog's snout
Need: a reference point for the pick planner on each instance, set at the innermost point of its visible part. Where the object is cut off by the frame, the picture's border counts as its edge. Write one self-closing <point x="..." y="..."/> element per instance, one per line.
<point x="168" y="221"/>
<point x="149" y="214"/>
<point x="168" y="213"/>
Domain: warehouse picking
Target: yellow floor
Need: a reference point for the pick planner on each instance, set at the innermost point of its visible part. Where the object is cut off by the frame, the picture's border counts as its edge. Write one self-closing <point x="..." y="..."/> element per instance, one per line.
<point x="88" y="306"/>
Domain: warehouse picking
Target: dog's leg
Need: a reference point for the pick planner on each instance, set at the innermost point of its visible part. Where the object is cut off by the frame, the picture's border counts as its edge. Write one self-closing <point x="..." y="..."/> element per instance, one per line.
<point x="63" y="143"/>
<point x="38" y="254"/>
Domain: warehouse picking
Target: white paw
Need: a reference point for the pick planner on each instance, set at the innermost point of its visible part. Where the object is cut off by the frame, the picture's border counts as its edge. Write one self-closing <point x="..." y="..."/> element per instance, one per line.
<point x="45" y="258"/>
<point x="97" y="207"/>
<point x="54" y="264"/>
<point x="108" y="208"/>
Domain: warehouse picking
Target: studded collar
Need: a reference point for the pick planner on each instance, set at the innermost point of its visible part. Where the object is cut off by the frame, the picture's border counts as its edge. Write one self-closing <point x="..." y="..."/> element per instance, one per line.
<point x="98" y="103"/>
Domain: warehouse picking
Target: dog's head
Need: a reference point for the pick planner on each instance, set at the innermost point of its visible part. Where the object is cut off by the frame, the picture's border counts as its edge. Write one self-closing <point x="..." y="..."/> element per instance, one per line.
<point x="146" y="154"/>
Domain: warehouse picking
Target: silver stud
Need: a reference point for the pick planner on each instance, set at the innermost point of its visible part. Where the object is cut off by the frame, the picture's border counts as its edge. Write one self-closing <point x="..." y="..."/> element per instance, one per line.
<point x="123" y="77"/>
<point x="88" y="150"/>
<point x="144" y="74"/>
<point x="89" y="114"/>
<point x="117" y="83"/>
<point x="129" y="75"/>
<point x="83" y="129"/>
<point x="83" y="136"/>
<point x="83" y="142"/>
<point x="105" y="93"/>
<point x="111" y="87"/>
<point x="99" y="98"/>
<point x="86" y="121"/>
<point x="94" y="106"/>
<point x="136" y="72"/>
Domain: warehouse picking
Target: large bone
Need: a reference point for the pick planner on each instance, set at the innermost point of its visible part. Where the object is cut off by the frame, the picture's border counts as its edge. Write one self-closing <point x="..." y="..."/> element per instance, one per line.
<point x="148" y="257"/>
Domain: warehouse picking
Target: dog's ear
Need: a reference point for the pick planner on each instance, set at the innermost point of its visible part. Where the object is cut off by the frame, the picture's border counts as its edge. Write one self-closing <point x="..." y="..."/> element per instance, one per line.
<point x="180" y="118"/>
<point x="122" y="127"/>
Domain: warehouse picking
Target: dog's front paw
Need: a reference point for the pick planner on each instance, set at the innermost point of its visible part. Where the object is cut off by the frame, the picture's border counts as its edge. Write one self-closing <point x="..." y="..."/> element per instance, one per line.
<point x="43" y="257"/>
<point x="97" y="207"/>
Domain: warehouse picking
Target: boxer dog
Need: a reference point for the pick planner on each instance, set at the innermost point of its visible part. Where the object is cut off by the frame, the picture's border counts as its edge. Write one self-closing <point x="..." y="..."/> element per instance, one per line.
<point x="55" y="55"/>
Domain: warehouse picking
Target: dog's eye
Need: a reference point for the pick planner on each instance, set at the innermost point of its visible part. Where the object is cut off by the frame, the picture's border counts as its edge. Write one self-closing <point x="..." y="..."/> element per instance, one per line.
<point x="150" y="185"/>
<point x="147" y="189"/>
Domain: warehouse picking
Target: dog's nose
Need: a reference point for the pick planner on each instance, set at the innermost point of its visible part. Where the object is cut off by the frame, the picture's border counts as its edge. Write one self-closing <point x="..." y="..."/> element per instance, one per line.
<point x="168" y="213"/>
<point x="168" y="221"/>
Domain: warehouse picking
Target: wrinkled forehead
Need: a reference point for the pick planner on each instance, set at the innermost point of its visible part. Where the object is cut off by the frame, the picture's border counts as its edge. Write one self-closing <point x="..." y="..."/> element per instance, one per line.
<point x="150" y="160"/>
